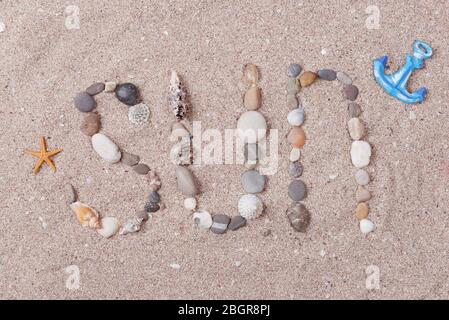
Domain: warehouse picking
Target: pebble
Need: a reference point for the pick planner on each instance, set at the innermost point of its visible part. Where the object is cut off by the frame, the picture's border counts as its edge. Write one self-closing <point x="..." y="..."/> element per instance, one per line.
<point x="106" y="148"/>
<point x="297" y="190"/>
<point x="252" y="99"/>
<point x="190" y="204"/>
<point x="95" y="88"/>
<point x="354" y="110"/>
<point x="344" y="78"/>
<point x="356" y="128"/>
<point x="298" y="216"/>
<point x="360" y="153"/>
<point x="143" y="215"/>
<point x="139" y="114"/>
<point x="292" y="101"/>
<point x="350" y="92"/>
<point x="361" y="212"/>
<point x="293" y="70"/>
<point x="91" y="124"/>
<point x="84" y="102"/>
<point x="127" y="93"/>
<point x="151" y="207"/>
<point x="251" y="126"/>
<point x="110" y="86"/>
<point x="307" y="78"/>
<point x="236" y="223"/>
<point x="296" y="137"/>
<point x="155" y="182"/>
<point x="186" y="181"/>
<point x="202" y="219"/>
<point x="220" y="223"/>
<point x="154" y="197"/>
<point x="129" y="159"/>
<point x="141" y="168"/>
<point x="70" y="193"/>
<point x="296" y="117"/>
<point x="109" y="227"/>
<point x="366" y="226"/>
<point x="253" y="181"/>
<point x="251" y="74"/>
<point x="327" y="74"/>
<point x="293" y="86"/>
<point x="361" y="177"/>
<point x="295" y="154"/>
<point x="295" y="169"/>
<point x="250" y="206"/>
<point x="362" y="195"/>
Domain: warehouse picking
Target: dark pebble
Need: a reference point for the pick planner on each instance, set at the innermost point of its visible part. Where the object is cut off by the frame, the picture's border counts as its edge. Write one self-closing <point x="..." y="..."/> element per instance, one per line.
<point x="293" y="70"/>
<point x="236" y="223"/>
<point x="154" y="197"/>
<point x="350" y="92"/>
<point x="95" y="88"/>
<point x="141" y="168"/>
<point x="298" y="217"/>
<point x="297" y="190"/>
<point x="354" y="110"/>
<point x="129" y="159"/>
<point x="220" y="223"/>
<point x="84" y="102"/>
<point x="327" y="74"/>
<point x="295" y="169"/>
<point x="127" y="93"/>
<point x="151" y="207"/>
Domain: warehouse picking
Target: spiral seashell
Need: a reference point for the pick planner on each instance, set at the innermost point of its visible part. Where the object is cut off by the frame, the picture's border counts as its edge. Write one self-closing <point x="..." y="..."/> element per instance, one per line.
<point x="87" y="216"/>
<point x="177" y="98"/>
<point x="131" y="226"/>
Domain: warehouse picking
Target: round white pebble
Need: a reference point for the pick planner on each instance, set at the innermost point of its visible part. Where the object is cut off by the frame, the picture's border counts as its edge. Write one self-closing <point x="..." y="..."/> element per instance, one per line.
<point x="295" y="154"/>
<point x="361" y="177"/>
<point x="250" y="206"/>
<point x="366" y="226"/>
<point x="190" y="204"/>
<point x="360" y="153"/>
<point x="251" y="127"/>
<point x="106" y="148"/>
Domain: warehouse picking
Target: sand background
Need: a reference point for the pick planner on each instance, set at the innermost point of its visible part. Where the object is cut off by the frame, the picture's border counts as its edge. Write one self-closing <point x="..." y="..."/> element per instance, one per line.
<point x="43" y="64"/>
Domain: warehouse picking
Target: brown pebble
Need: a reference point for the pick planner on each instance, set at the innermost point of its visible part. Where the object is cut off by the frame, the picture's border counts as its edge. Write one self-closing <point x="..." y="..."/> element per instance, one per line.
<point x="253" y="98"/>
<point x="362" y="195"/>
<point x="350" y="92"/>
<point x="307" y="78"/>
<point x="296" y="137"/>
<point x="95" y="88"/>
<point x="91" y="124"/>
<point x="141" y="168"/>
<point x="142" y="215"/>
<point x="129" y="159"/>
<point x="354" y="110"/>
<point x="361" y="212"/>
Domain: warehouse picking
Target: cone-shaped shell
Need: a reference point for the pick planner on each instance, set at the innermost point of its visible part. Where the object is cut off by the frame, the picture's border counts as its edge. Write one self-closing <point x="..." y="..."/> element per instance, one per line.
<point x="87" y="216"/>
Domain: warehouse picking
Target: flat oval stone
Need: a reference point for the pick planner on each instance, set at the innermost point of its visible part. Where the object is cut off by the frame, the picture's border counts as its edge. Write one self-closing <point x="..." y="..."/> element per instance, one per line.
<point x="296" y="137"/>
<point x="344" y="78"/>
<point x="297" y="190"/>
<point x="250" y="206"/>
<point x="354" y="110"/>
<point x="186" y="181"/>
<point x="151" y="207"/>
<point x="366" y="226"/>
<point x="84" y="102"/>
<point x="293" y="70"/>
<point x="296" y="117"/>
<point x="356" y="129"/>
<point x="143" y="215"/>
<point x="95" y="88"/>
<point x="327" y="74"/>
<point x="128" y="94"/>
<point x="293" y="86"/>
<point x="106" y="148"/>
<point x="236" y="223"/>
<point x="307" y="78"/>
<point x="360" y="153"/>
<point x="129" y="159"/>
<point x="154" y="197"/>
<point x="361" y="177"/>
<point x="141" y="168"/>
<point x="202" y="219"/>
<point x="361" y="212"/>
<point x="253" y="181"/>
<point x="292" y="101"/>
<point x="91" y="124"/>
<point x="298" y="216"/>
<point x="220" y="223"/>
<point x="252" y="99"/>
<point x="251" y="126"/>
<point x="362" y="195"/>
<point x="350" y="92"/>
<point x="295" y="169"/>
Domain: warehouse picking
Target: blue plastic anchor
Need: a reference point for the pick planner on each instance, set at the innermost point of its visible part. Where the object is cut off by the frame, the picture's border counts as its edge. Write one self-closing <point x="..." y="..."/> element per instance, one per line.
<point x="395" y="84"/>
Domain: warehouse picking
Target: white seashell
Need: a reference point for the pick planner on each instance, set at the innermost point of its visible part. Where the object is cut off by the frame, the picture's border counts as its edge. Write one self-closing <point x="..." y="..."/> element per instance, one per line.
<point x="190" y="204"/>
<point x="106" y="148"/>
<point x="360" y="153"/>
<point x="250" y="206"/>
<point x="366" y="226"/>
<point x="177" y="99"/>
<point x="251" y="127"/>
<point x="139" y="114"/>
<point x="295" y="154"/>
<point x="109" y="227"/>
<point x="202" y="219"/>
<point x="131" y="226"/>
<point x="296" y="117"/>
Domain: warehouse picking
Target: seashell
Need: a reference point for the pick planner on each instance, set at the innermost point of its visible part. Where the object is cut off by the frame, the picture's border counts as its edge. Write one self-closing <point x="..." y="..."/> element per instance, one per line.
<point x="181" y="153"/>
<point x="202" y="219"/>
<point x="109" y="227"/>
<point x="106" y="148"/>
<point x="177" y="99"/>
<point x="250" y="206"/>
<point x="251" y="74"/>
<point x="131" y="226"/>
<point x="87" y="216"/>
<point x="139" y="114"/>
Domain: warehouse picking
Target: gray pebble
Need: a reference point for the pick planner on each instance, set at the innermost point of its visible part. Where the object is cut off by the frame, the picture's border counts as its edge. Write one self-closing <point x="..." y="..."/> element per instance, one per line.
<point x="95" y="88"/>
<point x="350" y="92"/>
<point x="293" y="70"/>
<point x="344" y="78"/>
<point x="354" y="110"/>
<point x="151" y="207"/>
<point x="187" y="183"/>
<point x="361" y="177"/>
<point x="293" y="86"/>
<point x="141" y="168"/>
<point x="84" y="102"/>
<point x="297" y="190"/>
<point x="142" y="215"/>
<point x="154" y="197"/>
<point x="253" y="181"/>
<point x="129" y="159"/>
<point x="299" y="217"/>
<point x="327" y="74"/>
<point x="295" y="169"/>
<point x="236" y="223"/>
<point x="220" y="223"/>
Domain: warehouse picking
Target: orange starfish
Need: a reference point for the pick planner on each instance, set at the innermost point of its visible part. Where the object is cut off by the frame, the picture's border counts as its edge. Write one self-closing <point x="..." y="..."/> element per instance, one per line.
<point x="43" y="156"/>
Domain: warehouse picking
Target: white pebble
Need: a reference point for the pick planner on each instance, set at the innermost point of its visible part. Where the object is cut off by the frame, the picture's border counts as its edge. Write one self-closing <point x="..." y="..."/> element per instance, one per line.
<point x="295" y="154"/>
<point x="366" y="226"/>
<point x="361" y="177"/>
<point x="360" y="153"/>
<point x="109" y="227"/>
<point x="202" y="219"/>
<point x="251" y="126"/>
<point x="106" y="148"/>
<point x="190" y="203"/>
<point x="296" y="117"/>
